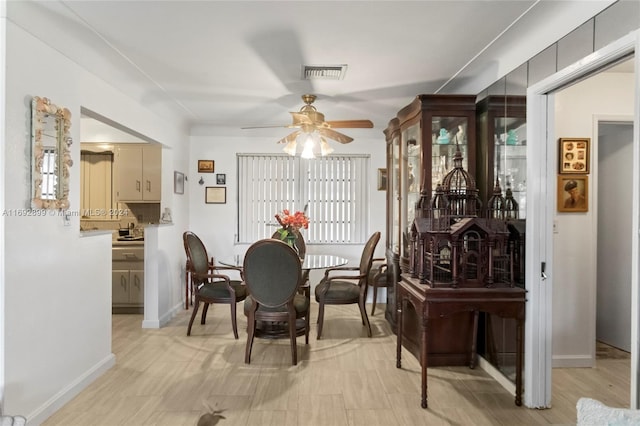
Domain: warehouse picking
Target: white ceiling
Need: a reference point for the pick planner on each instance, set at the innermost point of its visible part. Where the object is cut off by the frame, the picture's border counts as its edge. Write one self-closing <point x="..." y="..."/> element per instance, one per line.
<point x="238" y="63"/>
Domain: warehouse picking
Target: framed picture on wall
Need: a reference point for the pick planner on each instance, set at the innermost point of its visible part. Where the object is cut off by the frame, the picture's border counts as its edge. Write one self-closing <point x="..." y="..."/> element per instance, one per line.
<point x="573" y="193"/>
<point x="215" y="195"/>
<point x="205" y="166"/>
<point x="221" y="179"/>
<point x="574" y="155"/>
<point x="178" y="182"/>
<point x="382" y="179"/>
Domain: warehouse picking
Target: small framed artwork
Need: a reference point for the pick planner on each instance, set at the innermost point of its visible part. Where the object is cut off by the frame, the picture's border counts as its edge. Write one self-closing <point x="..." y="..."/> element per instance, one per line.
<point x="221" y="179"/>
<point x="574" y="155"/>
<point x="215" y="195"/>
<point x="205" y="166"/>
<point x="573" y="193"/>
<point x="178" y="182"/>
<point x="382" y="179"/>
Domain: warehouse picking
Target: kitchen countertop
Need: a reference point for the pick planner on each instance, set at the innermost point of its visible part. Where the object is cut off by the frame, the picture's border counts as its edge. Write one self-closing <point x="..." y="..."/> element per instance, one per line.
<point x="130" y="243"/>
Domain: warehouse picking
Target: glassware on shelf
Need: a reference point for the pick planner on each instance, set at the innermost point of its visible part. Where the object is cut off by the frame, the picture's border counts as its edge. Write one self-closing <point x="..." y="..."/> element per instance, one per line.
<point x="444" y="138"/>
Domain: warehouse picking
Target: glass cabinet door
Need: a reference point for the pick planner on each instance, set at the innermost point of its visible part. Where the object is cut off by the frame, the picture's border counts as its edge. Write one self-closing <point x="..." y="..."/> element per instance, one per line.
<point x="510" y="161"/>
<point x="394" y="196"/>
<point x="411" y="176"/>
<point x="502" y="134"/>
<point x="448" y="134"/>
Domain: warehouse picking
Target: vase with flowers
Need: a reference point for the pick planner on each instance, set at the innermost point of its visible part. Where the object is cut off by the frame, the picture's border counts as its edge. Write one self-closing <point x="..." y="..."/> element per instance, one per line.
<point x="290" y="225"/>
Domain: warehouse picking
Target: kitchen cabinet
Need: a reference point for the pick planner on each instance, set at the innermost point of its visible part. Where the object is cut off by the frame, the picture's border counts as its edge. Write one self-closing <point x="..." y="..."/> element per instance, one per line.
<point x="138" y="173"/>
<point x="127" y="278"/>
<point x="96" y="190"/>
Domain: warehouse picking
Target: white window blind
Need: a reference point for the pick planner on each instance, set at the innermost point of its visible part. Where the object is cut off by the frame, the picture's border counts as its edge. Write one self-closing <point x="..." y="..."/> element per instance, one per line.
<point x="334" y="188"/>
<point x="48" y="174"/>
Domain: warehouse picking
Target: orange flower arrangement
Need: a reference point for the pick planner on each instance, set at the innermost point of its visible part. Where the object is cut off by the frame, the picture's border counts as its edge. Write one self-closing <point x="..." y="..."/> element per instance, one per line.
<point x="291" y="223"/>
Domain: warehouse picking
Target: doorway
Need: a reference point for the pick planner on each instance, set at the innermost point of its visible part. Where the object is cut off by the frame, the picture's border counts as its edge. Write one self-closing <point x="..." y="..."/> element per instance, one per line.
<point x="542" y="175"/>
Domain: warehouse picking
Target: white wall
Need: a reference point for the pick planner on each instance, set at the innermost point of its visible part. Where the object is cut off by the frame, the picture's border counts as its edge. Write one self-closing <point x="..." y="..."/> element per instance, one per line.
<point x="57" y="301"/>
<point x="574" y="291"/>
<point x="216" y="223"/>
<point x="615" y="170"/>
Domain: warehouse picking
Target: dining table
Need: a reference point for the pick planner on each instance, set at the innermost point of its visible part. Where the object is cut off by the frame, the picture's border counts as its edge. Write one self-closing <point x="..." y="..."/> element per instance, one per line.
<point x="277" y="330"/>
<point x="310" y="261"/>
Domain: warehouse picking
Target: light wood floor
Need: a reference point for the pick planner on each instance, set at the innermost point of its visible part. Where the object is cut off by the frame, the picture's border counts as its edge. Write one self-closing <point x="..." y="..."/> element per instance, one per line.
<point x="163" y="377"/>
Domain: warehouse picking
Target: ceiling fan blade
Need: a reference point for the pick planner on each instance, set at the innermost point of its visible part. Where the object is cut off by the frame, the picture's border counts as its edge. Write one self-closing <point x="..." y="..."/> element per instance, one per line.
<point x="336" y="136"/>
<point x="290" y="137"/>
<point x="300" y="118"/>
<point x="351" y="124"/>
<point x="264" y="127"/>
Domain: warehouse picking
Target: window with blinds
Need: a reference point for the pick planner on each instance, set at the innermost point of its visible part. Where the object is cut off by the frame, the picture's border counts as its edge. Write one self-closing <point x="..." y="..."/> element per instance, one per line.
<point x="334" y="189"/>
<point x="48" y="174"/>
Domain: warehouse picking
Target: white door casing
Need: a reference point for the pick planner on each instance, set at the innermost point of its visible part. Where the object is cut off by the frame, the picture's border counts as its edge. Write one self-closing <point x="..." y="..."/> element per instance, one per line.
<point x="541" y="190"/>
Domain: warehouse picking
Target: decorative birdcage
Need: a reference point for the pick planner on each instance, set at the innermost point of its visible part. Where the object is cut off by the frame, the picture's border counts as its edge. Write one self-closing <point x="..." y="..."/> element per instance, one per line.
<point x="451" y="246"/>
<point x="511" y="208"/>
<point x="460" y="189"/>
<point x="496" y="204"/>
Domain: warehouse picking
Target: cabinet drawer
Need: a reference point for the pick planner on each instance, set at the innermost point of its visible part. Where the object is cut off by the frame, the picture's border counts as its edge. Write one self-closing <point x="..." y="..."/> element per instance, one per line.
<point x="128" y="253"/>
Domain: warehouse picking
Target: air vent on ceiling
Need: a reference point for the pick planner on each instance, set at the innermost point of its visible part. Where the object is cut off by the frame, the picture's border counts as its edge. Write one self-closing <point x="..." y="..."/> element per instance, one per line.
<point x="323" y="72"/>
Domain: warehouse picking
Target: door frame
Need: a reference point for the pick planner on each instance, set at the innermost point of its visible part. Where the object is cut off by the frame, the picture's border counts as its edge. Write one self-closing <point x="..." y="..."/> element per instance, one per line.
<point x="541" y="193"/>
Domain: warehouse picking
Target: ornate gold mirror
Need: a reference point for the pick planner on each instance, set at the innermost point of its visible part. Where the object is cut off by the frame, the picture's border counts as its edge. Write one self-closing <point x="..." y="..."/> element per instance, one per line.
<point x="50" y="140"/>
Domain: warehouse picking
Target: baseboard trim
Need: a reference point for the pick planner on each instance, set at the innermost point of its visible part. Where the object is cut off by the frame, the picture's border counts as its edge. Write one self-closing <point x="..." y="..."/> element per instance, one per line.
<point x="172" y="313"/>
<point x="163" y="319"/>
<point x="573" y="361"/>
<point x="65" y="395"/>
<point x="496" y="375"/>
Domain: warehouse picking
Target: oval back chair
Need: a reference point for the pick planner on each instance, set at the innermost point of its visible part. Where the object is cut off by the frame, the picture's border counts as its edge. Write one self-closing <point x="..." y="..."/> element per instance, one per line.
<point x="344" y="285"/>
<point x="273" y="275"/>
<point x="207" y="286"/>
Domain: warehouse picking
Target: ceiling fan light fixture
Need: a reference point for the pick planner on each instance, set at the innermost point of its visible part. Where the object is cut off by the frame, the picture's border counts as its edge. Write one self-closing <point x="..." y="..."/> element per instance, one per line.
<point x="290" y="147"/>
<point x="307" y="151"/>
<point x="325" y="149"/>
<point x="324" y="72"/>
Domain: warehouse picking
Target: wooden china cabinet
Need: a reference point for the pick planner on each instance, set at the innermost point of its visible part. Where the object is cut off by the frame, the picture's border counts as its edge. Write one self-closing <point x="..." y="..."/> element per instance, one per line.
<point x="421" y="142"/>
<point x="392" y="135"/>
<point x="502" y="145"/>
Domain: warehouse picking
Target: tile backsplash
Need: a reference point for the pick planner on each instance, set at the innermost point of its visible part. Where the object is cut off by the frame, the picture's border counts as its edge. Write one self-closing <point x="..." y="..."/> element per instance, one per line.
<point x="136" y="213"/>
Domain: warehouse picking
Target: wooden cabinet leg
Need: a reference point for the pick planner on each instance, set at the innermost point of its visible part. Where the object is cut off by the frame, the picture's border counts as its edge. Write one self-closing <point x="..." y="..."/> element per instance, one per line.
<point x="424" y="350"/>
<point x="474" y="342"/>
<point x="519" y="359"/>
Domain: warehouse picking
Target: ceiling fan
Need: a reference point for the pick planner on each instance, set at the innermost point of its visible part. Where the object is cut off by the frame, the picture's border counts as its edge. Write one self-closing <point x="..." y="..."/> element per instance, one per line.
<point x="314" y="130"/>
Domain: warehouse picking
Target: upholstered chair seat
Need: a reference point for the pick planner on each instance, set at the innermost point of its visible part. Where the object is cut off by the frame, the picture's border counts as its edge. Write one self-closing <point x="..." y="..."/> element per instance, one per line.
<point x="340" y="292"/>
<point x="347" y="285"/>
<point x="300" y="304"/>
<point x="208" y="284"/>
<point x="219" y="289"/>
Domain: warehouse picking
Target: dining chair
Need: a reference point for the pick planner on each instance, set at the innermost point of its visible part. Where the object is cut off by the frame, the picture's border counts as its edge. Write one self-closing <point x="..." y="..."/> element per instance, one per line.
<point x="377" y="278"/>
<point x="208" y="286"/>
<point x="273" y="275"/>
<point x="302" y="251"/>
<point x="348" y="286"/>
